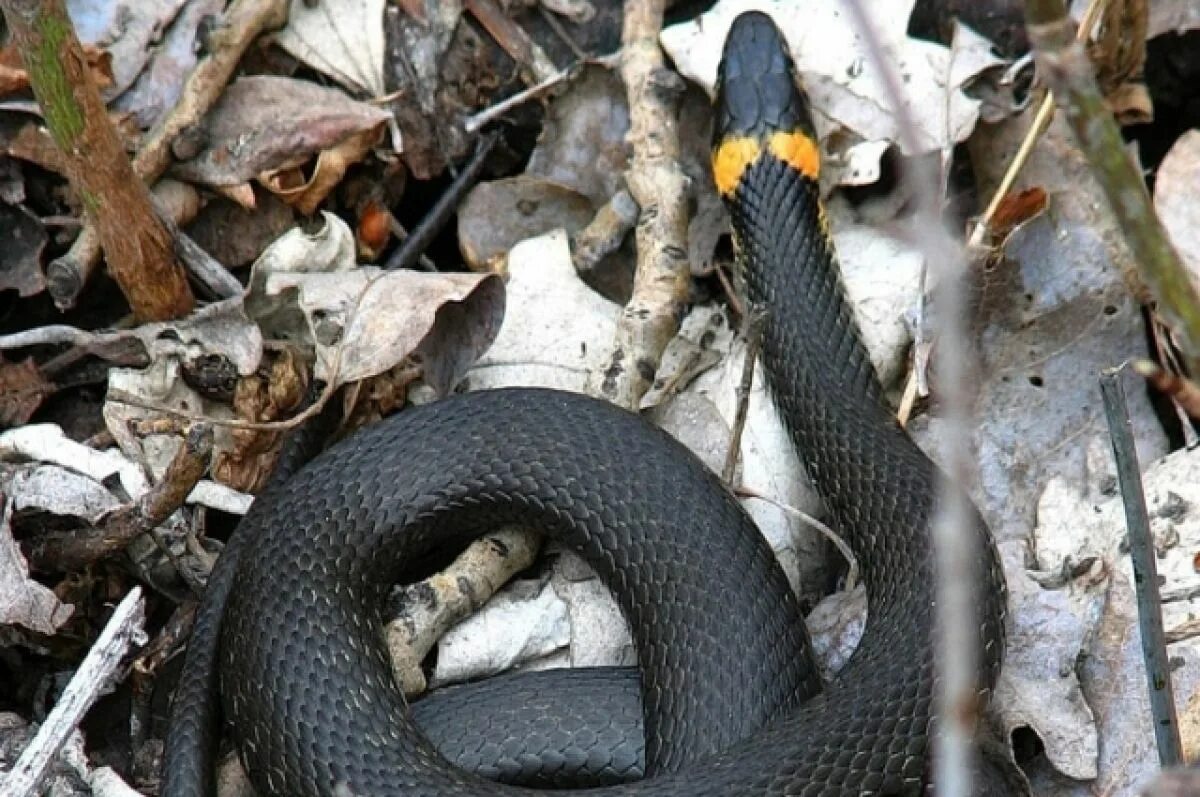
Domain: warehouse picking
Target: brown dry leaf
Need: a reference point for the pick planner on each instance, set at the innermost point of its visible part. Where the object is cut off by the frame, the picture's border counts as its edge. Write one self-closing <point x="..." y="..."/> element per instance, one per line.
<point x="1131" y="104"/>
<point x="265" y="123"/>
<point x="12" y="80"/>
<point x="22" y="388"/>
<point x="1118" y="53"/>
<point x="373" y="399"/>
<point x="33" y="143"/>
<point x="330" y="167"/>
<point x="1017" y="208"/>
<point x="261" y="398"/>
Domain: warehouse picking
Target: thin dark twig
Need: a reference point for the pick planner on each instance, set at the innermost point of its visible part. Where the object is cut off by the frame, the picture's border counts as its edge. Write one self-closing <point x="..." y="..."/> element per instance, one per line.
<point x="422" y="236"/>
<point x="1145" y="570"/>
<point x="753" y="332"/>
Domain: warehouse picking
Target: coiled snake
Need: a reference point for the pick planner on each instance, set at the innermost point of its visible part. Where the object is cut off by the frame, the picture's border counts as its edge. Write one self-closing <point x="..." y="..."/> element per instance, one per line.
<point x="291" y="618"/>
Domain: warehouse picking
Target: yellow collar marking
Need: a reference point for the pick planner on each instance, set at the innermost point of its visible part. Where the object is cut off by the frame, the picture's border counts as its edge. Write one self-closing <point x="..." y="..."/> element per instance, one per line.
<point x="735" y="154"/>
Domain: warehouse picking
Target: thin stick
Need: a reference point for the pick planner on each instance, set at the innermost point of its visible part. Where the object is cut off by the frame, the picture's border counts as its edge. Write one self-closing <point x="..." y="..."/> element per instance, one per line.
<point x="479" y="120"/>
<point x="423" y="234"/>
<point x="658" y="184"/>
<point x="755" y="321"/>
<point x="979" y="234"/>
<point x="956" y="637"/>
<point x="92" y="678"/>
<point x="831" y="535"/>
<point x="77" y="548"/>
<point x="1041" y="121"/>
<point x="1145" y="570"/>
<point x="116" y="202"/>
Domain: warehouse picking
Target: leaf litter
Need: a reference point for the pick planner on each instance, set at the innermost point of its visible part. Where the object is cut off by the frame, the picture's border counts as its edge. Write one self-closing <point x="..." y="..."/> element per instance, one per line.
<point x="1053" y="308"/>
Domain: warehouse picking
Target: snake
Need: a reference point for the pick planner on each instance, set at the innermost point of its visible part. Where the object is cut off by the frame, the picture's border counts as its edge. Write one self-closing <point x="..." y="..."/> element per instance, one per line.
<point x="287" y="644"/>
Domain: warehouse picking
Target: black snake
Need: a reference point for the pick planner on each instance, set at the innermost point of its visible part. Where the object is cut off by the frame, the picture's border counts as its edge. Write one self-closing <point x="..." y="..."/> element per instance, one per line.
<point x="291" y="618"/>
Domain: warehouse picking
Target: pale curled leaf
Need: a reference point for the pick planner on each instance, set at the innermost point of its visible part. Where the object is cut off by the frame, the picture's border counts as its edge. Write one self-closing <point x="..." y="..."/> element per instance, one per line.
<point x="24" y="601"/>
<point x="126" y="30"/>
<point x="60" y="491"/>
<point x="450" y="318"/>
<point x="169" y="62"/>
<point x="341" y="38"/>
<point x="220" y="328"/>
<point x="307" y="287"/>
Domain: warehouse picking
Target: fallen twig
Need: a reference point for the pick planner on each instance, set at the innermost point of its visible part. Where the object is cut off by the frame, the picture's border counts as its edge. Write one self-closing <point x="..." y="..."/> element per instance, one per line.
<point x="1184" y="391"/>
<point x="94" y="676"/>
<point x="753" y="334"/>
<point x="984" y="231"/>
<point x="137" y="246"/>
<point x="228" y="40"/>
<point x="480" y="119"/>
<point x="1145" y="571"/>
<point x="77" y="548"/>
<point x="659" y="186"/>
<point x="1045" y="111"/>
<point x="430" y="608"/>
<point x="512" y="39"/>
<point x="955" y="550"/>
<point x="447" y="204"/>
<point x="605" y="232"/>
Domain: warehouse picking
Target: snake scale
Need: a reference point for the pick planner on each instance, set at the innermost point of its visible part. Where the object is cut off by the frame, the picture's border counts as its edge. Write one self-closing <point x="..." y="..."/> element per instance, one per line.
<point x="289" y="631"/>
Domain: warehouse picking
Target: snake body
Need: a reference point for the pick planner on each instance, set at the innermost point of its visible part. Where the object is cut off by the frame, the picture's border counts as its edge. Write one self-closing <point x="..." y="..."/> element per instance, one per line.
<point x="289" y="632"/>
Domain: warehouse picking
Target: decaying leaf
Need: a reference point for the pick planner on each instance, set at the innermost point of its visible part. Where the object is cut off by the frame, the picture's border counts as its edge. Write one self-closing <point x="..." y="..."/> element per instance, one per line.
<point x="22" y="388"/>
<point x="363" y="321"/>
<point x="24" y="240"/>
<point x="267" y="123"/>
<point x="24" y="601"/>
<point x="270" y="397"/>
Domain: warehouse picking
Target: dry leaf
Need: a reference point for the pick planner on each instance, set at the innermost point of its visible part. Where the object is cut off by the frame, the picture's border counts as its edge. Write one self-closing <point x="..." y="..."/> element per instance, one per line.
<point x="22" y="388"/>
<point x="267" y="123"/>
<point x="24" y="601"/>
<point x="341" y="38"/>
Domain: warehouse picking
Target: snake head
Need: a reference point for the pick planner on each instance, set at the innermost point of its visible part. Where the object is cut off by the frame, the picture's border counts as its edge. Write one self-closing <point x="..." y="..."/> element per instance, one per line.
<point x="760" y="105"/>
